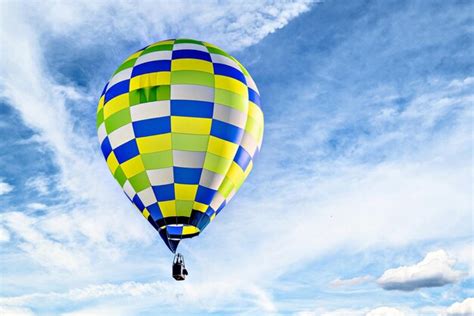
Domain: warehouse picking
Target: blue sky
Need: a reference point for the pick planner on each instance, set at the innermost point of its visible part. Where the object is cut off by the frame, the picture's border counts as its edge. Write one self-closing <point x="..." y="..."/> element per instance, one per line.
<point x="360" y="202"/>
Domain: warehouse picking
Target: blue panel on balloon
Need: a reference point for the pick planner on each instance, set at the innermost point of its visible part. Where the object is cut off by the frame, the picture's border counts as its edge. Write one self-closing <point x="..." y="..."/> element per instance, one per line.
<point x="155" y="126"/>
<point x="192" y="108"/>
<point x="126" y="151"/>
<point x="210" y="211"/>
<point x="187" y="175"/>
<point x="117" y="89"/>
<point x="242" y="158"/>
<point x="106" y="147"/>
<point x="164" y="192"/>
<point x="191" y="53"/>
<point x="105" y="89"/>
<point x="226" y="131"/>
<point x="175" y="230"/>
<point x="152" y="66"/>
<point x="136" y="200"/>
<point x="204" y="195"/>
<point x="205" y="220"/>
<point x="254" y="97"/>
<point x="196" y="216"/>
<point x="154" y="211"/>
<point x="228" y="71"/>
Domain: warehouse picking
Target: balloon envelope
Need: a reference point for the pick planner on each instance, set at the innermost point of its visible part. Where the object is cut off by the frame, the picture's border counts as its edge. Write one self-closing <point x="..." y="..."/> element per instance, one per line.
<point x="179" y="124"/>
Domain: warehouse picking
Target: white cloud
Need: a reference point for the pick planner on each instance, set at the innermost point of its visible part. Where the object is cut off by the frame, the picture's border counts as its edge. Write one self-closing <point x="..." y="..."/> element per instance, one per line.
<point x="40" y="184"/>
<point x="37" y="206"/>
<point x="131" y="297"/>
<point x="43" y="250"/>
<point x="94" y="292"/>
<point x="232" y="24"/>
<point x="376" y="311"/>
<point x="464" y="308"/>
<point x="351" y="282"/>
<point x="385" y="311"/>
<point x="340" y="312"/>
<point x="463" y="252"/>
<point x="15" y="311"/>
<point x="4" y="235"/>
<point x="5" y="187"/>
<point x="99" y="311"/>
<point x="436" y="269"/>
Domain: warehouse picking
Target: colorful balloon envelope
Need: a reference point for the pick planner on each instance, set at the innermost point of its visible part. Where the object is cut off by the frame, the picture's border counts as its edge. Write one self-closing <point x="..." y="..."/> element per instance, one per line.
<point x="179" y="124"/>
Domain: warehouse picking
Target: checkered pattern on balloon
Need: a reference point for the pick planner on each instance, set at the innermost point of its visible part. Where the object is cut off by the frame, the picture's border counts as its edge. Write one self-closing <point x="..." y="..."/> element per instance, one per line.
<point x="179" y="125"/>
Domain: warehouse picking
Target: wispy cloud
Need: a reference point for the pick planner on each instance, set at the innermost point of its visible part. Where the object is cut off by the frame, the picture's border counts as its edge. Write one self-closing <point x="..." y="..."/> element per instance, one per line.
<point x="376" y="311"/>
<point x="37" y="206"/>
<point x="464" y="308"/>
<point x="351" y="282"/>
<point x="463" y="254"/>
<point x="40" y="184"/>
<point x="5" y="187"/>
<point x="15" y="311"/>
<point x="42" y="249"/>
<point x="4" y="235"/>
<point x="435" y="270"/>
<point x="232" y="24"/>
<point x="385" y="311"/>
<point x="209" y="296"/>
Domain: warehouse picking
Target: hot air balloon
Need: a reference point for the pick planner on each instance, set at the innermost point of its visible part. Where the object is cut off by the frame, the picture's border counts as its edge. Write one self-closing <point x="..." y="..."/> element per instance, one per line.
<point x="179" y="124"/>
